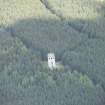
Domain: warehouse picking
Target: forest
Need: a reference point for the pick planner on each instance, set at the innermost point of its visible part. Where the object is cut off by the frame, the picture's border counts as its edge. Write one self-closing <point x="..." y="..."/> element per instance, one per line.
<point x="74" y="30"/>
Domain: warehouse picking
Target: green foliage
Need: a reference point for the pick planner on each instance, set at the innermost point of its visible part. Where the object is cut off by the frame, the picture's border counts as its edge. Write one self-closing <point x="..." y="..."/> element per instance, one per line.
<point x="52" y="36"/>
<point x="88" y="59"/>
<point x="73" y="9"/>
<point x="73" y="30"/>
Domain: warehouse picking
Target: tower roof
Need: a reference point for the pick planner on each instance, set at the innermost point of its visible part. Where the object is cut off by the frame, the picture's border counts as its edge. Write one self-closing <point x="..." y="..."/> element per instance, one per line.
<point x="51" y="55"/>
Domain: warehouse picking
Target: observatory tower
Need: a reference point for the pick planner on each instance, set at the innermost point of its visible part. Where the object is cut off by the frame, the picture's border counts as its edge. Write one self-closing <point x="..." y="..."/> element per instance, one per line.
<point x="51" y="61"/>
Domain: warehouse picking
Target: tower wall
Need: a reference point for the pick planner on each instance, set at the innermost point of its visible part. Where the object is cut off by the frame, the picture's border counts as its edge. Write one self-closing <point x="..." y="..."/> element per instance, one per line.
<point x="51" y="61"/>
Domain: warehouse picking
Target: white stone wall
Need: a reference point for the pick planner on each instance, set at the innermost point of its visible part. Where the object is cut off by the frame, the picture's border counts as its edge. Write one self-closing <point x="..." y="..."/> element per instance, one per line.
<point x="51" y="61"/>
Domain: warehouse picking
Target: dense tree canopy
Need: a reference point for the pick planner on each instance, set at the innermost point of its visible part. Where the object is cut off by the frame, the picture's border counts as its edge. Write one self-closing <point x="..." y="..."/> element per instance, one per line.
<point x="73" y="30"/>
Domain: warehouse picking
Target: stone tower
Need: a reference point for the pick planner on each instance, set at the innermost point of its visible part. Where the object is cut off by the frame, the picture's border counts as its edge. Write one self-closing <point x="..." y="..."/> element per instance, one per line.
<point x="51" y="61"/>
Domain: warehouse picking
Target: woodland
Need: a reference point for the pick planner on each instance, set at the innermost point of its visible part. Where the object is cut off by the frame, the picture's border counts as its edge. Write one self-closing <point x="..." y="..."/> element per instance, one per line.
<point x="74" y="30"/>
